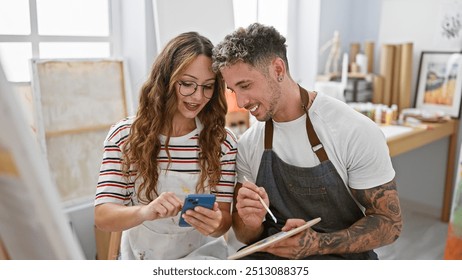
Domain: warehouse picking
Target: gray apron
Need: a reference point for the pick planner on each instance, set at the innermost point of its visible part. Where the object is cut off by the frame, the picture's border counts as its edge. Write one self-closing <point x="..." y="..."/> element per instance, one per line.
<point x="306" y="193"/>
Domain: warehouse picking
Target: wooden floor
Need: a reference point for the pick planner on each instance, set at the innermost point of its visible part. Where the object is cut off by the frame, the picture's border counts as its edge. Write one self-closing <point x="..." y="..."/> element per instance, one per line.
<point x="423" y="236"/>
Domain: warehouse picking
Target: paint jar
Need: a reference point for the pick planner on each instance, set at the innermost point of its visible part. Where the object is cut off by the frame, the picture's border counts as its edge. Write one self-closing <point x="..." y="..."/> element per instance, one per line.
<point x="394" y="108"/>
<point x="378" y="114"/>
<point x="388" y="116"/>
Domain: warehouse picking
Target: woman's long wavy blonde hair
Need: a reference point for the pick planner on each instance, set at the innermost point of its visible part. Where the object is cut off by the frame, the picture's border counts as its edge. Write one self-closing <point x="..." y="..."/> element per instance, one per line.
<point x="158" y="104"/>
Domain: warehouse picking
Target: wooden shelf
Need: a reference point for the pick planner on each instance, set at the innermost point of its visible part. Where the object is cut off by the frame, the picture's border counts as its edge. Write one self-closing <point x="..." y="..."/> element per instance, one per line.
<point x="419" y="137"/>
<point x="351" y="75"/>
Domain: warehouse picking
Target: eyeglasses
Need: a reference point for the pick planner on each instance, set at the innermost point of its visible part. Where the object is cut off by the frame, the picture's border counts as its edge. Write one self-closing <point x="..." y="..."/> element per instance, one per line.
<point x="189" y="88"/>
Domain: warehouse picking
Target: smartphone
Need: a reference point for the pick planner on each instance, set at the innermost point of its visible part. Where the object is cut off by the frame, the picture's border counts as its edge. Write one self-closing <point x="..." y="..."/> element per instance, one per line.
<point x="193" y="200"/>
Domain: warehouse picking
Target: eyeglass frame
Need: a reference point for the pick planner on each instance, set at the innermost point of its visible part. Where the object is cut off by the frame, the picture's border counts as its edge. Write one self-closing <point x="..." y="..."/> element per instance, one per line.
<point x="182" y="83"/>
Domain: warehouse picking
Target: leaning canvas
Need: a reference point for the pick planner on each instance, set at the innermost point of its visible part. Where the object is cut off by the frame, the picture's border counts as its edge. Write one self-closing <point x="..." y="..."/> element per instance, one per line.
<point x="32" y="222"/>
<point x="76" y="101"/>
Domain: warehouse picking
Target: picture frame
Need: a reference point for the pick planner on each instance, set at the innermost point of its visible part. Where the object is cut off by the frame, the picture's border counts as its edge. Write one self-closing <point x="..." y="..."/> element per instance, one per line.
<point x="439" y="83"/>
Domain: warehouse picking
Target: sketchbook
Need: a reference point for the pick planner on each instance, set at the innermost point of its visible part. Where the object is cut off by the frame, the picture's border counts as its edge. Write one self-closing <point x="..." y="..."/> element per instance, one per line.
<point x="261" y="244"/>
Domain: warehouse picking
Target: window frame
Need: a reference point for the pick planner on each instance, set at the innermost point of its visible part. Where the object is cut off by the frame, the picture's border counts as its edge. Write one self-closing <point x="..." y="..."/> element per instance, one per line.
<point x="114" y="37"/>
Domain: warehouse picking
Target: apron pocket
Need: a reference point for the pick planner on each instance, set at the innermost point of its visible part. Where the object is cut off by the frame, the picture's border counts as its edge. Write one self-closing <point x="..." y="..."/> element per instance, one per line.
<point x="147" y="244"/>
<point x="306" y="190"/>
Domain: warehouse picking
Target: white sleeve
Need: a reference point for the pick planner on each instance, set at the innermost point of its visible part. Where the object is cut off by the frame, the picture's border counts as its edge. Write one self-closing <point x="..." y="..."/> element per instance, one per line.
<point x="249" y="152"/>
<point x="368" y="161"/>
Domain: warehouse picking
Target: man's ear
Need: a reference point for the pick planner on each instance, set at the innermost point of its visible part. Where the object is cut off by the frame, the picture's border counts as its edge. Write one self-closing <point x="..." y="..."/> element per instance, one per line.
<point x="279" y="67"/>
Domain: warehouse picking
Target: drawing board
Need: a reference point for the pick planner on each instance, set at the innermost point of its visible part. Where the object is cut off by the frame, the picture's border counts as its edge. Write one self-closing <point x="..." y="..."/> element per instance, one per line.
<point x="261" y="244"/>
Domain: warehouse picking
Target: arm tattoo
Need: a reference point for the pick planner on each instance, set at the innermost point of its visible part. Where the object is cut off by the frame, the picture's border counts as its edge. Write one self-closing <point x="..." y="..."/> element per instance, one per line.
<point x="381" y="225"/>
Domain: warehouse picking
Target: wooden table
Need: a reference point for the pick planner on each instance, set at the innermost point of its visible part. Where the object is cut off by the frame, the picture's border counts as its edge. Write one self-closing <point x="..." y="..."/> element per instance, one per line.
<point x="419" y="137"/>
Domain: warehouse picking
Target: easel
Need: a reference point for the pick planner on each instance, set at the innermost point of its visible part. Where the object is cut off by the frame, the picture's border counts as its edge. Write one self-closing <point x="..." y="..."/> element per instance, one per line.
<point x="3" y="252"/>
<point x="107" y="244"/>
<point x="7" y="167"/>
<point x="114" y="245"/>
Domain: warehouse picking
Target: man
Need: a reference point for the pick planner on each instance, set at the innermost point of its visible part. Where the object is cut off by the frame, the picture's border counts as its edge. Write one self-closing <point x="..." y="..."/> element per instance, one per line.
<point x="309" y="156"/>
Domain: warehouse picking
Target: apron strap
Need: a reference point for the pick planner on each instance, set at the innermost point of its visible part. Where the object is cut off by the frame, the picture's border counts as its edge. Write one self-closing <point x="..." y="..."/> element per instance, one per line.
<point x="316" y="145"/>
<point x="269" y="134"/>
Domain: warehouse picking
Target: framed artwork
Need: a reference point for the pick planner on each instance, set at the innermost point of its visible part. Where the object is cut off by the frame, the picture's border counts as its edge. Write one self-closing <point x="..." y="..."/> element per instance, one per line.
<point x="439" y="83"/>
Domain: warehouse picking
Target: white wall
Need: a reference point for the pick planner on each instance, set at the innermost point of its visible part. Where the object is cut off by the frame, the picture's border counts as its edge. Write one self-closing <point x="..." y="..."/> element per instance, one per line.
<point x="137" y="41"/>
<point x="148" y="24"/>
<point x="302" y="40"/>
<point x="416" y="21"/>
<point x="420" y="172"/>
<point x="335" y="16"/>
<point x="356" y="20"/>
<point x="420" y="175"/>
<point x="213" y="19"/>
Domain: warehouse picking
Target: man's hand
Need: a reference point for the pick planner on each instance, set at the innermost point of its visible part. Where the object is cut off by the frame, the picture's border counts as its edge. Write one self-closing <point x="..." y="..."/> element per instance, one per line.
<point x="294" y="247"/>
<point x="248" y="204"/>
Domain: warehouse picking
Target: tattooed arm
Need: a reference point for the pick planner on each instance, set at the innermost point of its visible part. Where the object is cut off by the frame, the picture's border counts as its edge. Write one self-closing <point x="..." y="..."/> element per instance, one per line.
<point x="381" y="226"/>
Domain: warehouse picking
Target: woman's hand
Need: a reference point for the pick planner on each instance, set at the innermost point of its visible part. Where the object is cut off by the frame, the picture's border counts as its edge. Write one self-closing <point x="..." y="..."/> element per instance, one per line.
<point x="206" y="221"/>
<point x="167" y="204"/>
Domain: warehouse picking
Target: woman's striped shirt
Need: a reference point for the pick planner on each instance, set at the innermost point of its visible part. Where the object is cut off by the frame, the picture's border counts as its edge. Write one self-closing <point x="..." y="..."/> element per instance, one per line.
<point x="113" y="187"/>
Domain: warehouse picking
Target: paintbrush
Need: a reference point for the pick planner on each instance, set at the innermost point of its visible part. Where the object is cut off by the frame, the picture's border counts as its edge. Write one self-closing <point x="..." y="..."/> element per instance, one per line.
<point x="264" y="205"/>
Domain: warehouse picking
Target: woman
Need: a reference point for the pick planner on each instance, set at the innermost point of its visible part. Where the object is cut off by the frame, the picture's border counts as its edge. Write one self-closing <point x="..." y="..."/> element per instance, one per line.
<point x="176" y="145"/>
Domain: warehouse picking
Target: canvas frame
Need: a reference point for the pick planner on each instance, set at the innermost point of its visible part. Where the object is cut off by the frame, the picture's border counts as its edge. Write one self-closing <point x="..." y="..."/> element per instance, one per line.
<point x="76" y="101"/>
<point x="439" y="83"/>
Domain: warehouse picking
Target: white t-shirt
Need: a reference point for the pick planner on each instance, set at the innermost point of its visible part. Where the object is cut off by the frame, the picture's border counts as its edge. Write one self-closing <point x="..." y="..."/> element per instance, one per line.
<point x="354" y="144"/>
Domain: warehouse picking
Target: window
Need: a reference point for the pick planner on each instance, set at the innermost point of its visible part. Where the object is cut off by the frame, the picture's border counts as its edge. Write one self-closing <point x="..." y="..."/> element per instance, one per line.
<point x="245" y="12"/>
<point x="269" y="12"/>
<point x="54" y="29"/>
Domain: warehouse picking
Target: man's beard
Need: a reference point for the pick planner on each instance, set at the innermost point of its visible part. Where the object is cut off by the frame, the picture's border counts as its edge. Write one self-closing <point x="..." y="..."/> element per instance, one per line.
<point x="275" y="96"/>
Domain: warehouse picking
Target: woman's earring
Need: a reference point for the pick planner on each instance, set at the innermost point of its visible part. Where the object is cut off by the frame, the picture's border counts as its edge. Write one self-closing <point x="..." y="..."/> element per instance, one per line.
<point x="280" y="78"/>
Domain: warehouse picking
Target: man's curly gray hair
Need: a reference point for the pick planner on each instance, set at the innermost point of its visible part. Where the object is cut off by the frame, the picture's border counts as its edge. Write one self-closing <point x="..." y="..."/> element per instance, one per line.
<point x="255" y="45"/>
